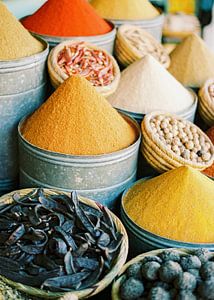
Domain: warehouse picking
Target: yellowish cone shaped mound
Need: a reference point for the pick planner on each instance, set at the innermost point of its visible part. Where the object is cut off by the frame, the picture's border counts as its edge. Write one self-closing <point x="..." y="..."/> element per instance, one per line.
<point x="77" y="120"/>
<point x="125" y="9"/>
<point x="192" y="63"/>
<point x="146" y="86"/>
<point x="178" y="205"/>
<point x="15" y="41"/>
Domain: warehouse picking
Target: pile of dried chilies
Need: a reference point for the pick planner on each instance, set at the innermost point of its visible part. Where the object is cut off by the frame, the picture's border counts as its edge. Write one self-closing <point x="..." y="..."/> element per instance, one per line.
<point x="93" y="64"/>
<point x="56" y="242"/>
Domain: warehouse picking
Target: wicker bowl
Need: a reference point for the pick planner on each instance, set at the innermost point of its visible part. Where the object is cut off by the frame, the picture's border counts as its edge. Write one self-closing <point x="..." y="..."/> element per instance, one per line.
<point x="57" y="76"/>
<point x="121" y="277"/>
<point x="126" y="53"/>
<point x="86" y="293"/>
<point x="206" y="103"/>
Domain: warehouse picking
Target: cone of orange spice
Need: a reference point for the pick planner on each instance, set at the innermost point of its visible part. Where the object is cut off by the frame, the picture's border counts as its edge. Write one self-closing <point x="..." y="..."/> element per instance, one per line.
<point x="210" y="171"/>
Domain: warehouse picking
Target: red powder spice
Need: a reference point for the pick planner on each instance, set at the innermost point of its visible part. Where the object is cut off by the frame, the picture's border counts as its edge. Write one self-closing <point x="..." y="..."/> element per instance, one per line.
<point x="210" y="171"/>
<point x="66" y="18"/>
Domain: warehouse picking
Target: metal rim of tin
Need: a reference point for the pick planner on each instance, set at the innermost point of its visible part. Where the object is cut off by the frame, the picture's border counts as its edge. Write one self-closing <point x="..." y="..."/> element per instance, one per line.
<point x="60" y="38"/>
<point x="28" y="59"/>
<point x="185" y="114"/>
<point x="102" y="157"/>
<point x="140" y="232"/>
<point x="138" y="21"/>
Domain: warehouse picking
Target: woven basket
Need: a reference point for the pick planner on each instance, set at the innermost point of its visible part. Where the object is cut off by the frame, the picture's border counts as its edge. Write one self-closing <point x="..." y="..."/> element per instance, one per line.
<point x="159" y="156"/>
<point x="126" y="53"/>
<point x="57" y="76"/>
<point x="206" y="103"/>
<point x="86" y="293"/>
<point x="121" y="277"/>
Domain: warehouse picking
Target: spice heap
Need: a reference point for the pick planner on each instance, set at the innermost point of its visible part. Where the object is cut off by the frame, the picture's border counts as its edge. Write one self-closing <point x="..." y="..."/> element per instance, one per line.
<point x="145" y="86"/>
<point x="56" y="242"/>
<point x="192" y="63"/>
<point x="15" y="41"/>
<point x="133" y="43"/>
<point x="170" y="142"/>
<point x="206" y="102"/>
<point x="125" y="9"/>
<point x="93" y="64"/>
<point x="210" y="171"/>
<point x="66" y="18"/>
<point x="163" y="205"/>
<point x="169" y="275"/>
<point x="77" y="120"/>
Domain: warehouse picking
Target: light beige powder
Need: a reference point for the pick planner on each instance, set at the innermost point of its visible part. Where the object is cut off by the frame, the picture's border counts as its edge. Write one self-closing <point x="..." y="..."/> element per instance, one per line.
<point x="192" y="63"/>
<point x="146" y="86"/>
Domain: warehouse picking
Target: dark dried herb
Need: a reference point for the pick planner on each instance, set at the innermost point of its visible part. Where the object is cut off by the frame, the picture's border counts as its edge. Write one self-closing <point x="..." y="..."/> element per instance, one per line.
<point x="56" y="242"/>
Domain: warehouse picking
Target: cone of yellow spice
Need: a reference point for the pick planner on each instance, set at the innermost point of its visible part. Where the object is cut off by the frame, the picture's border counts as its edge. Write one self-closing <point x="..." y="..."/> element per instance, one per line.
<point x="15" y="41"/>
<point x="192" y="63"/>
<point x="178" y="205"/>
<point x="76" y="120"/>
<point x="125" y="9"/>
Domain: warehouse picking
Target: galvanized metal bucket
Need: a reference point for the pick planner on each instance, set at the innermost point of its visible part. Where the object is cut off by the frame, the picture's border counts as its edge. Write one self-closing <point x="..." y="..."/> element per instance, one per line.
<point x="105" y="41"/>
<point x="188" y="114"/>
<point x="153" y="26"/>
<point x="100" y="177"/>
<point x="141" y="241"/>
<point x="23" y="85"/>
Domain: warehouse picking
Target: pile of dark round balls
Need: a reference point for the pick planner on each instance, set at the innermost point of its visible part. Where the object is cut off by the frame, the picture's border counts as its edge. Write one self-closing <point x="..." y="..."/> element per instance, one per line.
<point x="171" y="275"/>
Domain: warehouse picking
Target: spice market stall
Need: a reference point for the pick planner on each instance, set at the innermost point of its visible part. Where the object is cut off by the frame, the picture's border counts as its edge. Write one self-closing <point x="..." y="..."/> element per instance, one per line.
<point x="117" y="160"/>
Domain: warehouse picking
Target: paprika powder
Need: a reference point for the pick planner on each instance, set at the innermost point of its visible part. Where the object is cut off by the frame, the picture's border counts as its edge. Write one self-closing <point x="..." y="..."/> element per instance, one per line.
<point x="66" y="18"/>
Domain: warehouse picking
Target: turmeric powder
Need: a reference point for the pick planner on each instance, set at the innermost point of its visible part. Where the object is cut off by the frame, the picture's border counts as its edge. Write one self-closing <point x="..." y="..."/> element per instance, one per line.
<point x="178" y="205"/>
<point x="77" y="120"/>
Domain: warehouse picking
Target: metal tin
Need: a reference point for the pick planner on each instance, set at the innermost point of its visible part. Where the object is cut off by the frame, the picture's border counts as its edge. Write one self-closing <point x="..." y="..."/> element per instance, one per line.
<point x="188" y="114"/>
<point x="141" y="240"/>
<point x="105" y="41"/>
<point x="100" y="177"/>
<point x="22" y="89"/>
<point x="153" y="26"/>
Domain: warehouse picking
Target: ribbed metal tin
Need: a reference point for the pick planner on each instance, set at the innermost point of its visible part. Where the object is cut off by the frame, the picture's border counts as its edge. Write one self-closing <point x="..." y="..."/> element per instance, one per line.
<point x="22" y="89"/>
<point x="100" y="177"/>
<point x="153" y="26"/>
<point x="105" y="41"/>
<point x="188" y="114"/>
<point x="141" y="240"/>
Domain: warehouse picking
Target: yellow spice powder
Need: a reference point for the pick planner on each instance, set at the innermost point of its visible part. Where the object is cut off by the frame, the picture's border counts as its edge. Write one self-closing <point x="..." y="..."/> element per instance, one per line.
<point x="192" y="63"/>
<point x="15" y="41"/>
<point x="178" y="205"/>
<point x="77" y="120"/>
<point x="125" y="9"/>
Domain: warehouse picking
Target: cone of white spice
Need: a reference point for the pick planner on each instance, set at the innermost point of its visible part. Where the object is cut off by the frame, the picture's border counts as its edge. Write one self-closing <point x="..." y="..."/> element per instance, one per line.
<point x="146" y="86"/>
<point x="133" y="43"/>
<point x="169" y="142"/>
<point x="206" y="102"/>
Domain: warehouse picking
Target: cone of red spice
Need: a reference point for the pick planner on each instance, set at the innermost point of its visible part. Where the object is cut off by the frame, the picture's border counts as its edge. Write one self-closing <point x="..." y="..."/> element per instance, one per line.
<point x="210" y="171"/>
<point x="66" y="18"/>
